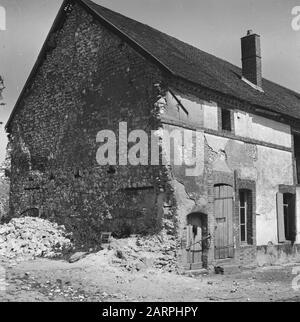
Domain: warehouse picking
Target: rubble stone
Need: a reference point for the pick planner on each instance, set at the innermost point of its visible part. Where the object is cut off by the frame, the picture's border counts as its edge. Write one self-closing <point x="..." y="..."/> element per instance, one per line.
<point x="30" y="237"/>
<point x="146" y="252"/>
<point x="77" y="256"/>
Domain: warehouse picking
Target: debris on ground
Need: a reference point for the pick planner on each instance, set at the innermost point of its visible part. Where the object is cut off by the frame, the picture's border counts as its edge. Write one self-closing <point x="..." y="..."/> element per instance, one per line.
<point x="138" y="253"/>
<point x="77" y="256"/>
<point x="51" y="289"/>
<point x="219" y="270"/>
<point x="29" y="237"/>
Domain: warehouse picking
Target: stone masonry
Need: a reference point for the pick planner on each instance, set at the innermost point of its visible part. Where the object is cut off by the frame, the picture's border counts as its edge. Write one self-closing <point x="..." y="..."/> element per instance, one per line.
<point x="90" y="80"/>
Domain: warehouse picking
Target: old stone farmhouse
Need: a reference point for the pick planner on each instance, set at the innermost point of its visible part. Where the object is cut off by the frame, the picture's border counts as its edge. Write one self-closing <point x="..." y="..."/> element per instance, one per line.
<point x="97" y="69"/>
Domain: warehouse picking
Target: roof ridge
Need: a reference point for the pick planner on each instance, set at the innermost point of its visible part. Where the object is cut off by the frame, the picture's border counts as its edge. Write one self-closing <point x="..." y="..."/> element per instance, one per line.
<point x="92" y="3"/>
<point x="181" y="60"/>
<point x="161" y="32"/>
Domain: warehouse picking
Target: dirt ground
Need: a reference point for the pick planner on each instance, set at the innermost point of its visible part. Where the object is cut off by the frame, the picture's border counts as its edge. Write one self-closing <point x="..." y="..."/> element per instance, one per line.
<point x="94" y="279"/>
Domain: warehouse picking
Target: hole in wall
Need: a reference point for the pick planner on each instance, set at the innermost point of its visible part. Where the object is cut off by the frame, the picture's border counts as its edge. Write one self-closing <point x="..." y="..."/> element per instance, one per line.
<point x="78" y="174"/>
<point x="111" y="170"/>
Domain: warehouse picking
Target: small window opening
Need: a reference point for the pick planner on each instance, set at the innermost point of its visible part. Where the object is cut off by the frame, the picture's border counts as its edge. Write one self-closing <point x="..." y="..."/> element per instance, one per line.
<point x="226" y="120"/>
<point x="78" y="174"/>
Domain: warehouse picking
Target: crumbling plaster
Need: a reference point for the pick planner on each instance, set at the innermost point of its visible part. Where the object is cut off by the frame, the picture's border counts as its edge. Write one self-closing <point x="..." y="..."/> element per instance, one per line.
<point x="267" y="166"/>
<point x="261" y="128"/>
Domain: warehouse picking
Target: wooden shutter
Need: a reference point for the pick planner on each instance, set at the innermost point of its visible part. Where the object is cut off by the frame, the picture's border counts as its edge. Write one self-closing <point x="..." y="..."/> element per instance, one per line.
<point x="280" y="218"/>
<point x="292" y="218"/>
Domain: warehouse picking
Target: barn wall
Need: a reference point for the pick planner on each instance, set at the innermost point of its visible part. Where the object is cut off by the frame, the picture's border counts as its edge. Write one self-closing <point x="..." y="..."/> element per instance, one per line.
<point x="90" y="81"/>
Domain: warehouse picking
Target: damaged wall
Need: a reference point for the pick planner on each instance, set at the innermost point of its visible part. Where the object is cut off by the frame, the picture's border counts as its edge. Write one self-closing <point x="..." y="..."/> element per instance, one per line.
<point x="227" y="155"/>
<point x="89" y="81"/>
<point x="273" y="168"/>
<point x="268" y="167"/>
<point x="260" y="128"/>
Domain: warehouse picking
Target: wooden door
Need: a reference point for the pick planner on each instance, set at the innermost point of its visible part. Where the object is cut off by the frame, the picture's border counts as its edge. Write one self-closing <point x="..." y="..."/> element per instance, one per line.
<point x="194" y="241"/>
<point x="224" y="244"/>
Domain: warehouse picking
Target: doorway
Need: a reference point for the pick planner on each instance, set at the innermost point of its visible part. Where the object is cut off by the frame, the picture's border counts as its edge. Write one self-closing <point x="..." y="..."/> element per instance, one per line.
<point x="196" y="234"/>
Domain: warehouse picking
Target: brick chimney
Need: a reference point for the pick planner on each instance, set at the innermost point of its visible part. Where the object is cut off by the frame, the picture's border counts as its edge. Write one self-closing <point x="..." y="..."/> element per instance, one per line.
<point x="251" y="58"/>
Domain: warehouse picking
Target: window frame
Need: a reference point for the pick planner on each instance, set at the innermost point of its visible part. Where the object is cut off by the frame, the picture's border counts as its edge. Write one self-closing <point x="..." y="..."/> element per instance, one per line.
<point x="248" y="216"/>
<point x="243" y="225"/>
<point x="230" y="120"/>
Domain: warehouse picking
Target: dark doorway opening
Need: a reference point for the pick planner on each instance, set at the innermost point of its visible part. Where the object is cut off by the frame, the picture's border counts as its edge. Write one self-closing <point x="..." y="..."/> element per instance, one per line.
<point x="197" y="240"/>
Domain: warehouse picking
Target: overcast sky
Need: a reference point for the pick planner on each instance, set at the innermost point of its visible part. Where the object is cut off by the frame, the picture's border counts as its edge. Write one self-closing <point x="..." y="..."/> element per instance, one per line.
<point x="215" y="26"/>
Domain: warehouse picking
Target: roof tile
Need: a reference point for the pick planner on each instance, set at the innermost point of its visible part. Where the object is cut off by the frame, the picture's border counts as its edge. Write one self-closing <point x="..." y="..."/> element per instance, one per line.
<point x="200" y="67"/>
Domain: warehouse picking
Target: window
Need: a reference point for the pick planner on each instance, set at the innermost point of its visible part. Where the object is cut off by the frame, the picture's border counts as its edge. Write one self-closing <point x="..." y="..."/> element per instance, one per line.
<point x="245" y="216"/>
<point x="286" y="217"/>
<point x="226" y="120"/>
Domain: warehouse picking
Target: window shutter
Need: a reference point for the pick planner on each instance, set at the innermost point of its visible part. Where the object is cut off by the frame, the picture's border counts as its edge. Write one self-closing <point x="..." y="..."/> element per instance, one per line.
<point x="292" y="215"/>
<point x="280" y="218"/>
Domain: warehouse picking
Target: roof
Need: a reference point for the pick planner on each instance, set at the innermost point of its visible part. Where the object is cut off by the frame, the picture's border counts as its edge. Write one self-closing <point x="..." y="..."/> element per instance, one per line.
<point x="196" y="66"/>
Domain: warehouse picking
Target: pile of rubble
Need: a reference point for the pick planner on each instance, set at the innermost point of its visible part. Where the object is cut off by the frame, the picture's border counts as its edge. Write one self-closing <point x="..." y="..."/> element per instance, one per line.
<point x="30" y="237"/>
<point x="137" y="253"/>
